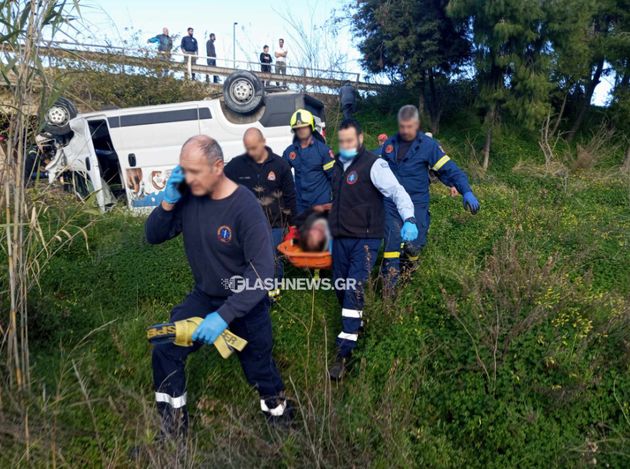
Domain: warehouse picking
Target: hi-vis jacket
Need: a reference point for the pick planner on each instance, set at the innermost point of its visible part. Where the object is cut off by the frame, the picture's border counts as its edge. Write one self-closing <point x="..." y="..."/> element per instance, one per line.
<point x="413" y="170"/>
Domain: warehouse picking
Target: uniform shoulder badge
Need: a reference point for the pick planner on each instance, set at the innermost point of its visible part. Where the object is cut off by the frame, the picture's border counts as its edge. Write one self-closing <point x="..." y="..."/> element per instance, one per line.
<point x="389" y="148"/>
<point x="331" y="153"/>
<point x="352" y="177"/>
<point x="292" y="155"/>
<point x="224" y="233"/>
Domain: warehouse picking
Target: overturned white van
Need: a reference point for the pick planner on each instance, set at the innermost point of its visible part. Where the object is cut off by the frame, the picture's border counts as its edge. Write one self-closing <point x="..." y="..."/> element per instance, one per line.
<point x="127" y="154"/>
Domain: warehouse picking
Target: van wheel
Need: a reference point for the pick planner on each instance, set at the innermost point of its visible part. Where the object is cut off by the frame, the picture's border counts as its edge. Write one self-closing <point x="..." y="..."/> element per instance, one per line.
<point x="57" y="118"/>
<point x="243" y="92"/>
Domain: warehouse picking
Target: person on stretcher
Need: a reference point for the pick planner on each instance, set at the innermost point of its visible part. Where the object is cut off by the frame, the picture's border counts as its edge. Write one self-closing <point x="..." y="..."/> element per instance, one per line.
<point x="311" y="232"/>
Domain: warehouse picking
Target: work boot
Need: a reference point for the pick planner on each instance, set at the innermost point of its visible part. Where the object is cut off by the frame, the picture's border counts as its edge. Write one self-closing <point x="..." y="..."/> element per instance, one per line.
<point x="338" y="369"/>
<point x="410" y="261"/>
<point x="279" y="411"/>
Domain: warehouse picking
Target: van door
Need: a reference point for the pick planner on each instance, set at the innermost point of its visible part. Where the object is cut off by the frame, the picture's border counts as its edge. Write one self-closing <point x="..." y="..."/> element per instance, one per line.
<point x="81" y="160"/>
<point x="148" y="142"/>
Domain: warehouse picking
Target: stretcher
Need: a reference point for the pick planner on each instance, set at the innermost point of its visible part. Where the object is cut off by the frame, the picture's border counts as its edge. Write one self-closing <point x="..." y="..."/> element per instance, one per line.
<point x="305" y="260"/>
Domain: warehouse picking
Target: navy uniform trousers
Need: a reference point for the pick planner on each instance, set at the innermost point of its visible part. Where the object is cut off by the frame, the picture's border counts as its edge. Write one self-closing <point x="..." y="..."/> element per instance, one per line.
<point x="169" y="377"/>
<point x="353" y="258"/>
<point x="393" y="244"/>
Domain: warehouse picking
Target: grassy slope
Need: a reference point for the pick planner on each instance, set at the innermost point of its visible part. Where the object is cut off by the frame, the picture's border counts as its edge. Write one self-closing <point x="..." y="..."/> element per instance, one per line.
<point x="424" y="390"/>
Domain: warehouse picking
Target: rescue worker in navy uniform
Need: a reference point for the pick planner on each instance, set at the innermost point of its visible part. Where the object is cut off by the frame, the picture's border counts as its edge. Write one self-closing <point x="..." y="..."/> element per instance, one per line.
<point x="411" y="154"/>
<point x="190" y="49"/>
<point x="312" y="161"/>
<point x="225" y="234"/>
<point x="360" y="181"/>
<point x="269" y="177"/>
<point x="347" y="99"/>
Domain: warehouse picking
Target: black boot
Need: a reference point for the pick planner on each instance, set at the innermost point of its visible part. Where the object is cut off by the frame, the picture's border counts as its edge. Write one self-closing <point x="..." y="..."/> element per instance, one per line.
<point x="278" y="410"/>
<point x="338" y="369"/>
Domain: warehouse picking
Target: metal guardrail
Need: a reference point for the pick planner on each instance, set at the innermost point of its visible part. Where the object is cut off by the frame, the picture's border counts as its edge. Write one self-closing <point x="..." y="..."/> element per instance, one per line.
<point x="189" y="64"/>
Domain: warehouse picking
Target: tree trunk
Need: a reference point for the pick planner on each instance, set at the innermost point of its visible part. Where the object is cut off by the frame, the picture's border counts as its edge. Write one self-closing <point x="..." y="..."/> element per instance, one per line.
<point x="590" y="89"/>
<point x="560" y="114"/>
<point x="626" y="163"/>
<point x="490" y="118"/>
<point x="434" y="106"/>
<point x="422" y="111"/>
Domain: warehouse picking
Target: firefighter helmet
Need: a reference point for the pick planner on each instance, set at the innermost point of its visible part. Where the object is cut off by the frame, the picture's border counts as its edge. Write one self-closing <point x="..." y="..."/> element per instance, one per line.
<point x="302" y="118"/>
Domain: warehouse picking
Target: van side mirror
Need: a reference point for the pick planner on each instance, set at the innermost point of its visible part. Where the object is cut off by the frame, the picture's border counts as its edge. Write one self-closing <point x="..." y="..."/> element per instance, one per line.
<point x="132" y="159"/>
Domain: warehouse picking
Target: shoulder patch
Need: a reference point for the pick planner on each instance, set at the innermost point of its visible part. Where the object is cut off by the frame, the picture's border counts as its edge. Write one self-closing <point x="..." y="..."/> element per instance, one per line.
<point x="389" y="148"/>
<point x="331" y="154"/>
<point x="292" y="155"/>
<point x="352" y="177"/>
<point x="224" y="233"/>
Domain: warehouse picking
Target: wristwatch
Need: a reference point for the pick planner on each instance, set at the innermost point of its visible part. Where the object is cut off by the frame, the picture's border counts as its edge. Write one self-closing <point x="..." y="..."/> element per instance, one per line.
<point x="411" y="220"/>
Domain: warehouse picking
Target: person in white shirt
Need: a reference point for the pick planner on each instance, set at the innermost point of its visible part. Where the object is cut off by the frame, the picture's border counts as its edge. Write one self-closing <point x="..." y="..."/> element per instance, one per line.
<point x="281" y="60"/>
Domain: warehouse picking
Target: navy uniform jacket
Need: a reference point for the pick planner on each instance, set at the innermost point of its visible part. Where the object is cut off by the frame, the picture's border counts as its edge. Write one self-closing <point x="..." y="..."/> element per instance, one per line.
<point x="313" y="166"/>
<point x="189" y="44"/>
<point x="413" y="171"/>
<point x="222" y="239"/>
<point x="346" y="94"/>
<point x="271" y="181"/>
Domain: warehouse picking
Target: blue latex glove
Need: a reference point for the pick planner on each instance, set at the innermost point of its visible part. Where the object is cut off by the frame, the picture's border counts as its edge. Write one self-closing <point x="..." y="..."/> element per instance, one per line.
<point x="471" y="203"/>
<point x="210" y="329"/>
<point x="409" y="231"/>
<point x="171" y="192"/>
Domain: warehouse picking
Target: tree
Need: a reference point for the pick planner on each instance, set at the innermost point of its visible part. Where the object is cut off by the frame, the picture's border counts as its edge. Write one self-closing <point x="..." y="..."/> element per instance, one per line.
<point x="413" y="41"/>
<point x="514" y="57"/>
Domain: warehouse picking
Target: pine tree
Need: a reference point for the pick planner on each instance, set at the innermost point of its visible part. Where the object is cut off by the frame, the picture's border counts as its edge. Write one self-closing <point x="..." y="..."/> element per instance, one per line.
<point x="413" y="41"/>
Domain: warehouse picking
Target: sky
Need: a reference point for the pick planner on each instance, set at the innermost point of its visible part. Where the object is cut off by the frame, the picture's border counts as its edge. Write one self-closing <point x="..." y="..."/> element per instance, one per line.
<point x="259" y="22"/>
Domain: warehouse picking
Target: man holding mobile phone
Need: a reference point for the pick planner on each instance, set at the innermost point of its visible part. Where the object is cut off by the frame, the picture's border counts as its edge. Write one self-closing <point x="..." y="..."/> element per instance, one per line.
<point x="226" y="237"/>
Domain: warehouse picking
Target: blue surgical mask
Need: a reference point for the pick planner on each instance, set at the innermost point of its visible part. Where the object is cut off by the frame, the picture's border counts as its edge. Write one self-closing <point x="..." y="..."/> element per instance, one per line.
<point x="347" y="154"/>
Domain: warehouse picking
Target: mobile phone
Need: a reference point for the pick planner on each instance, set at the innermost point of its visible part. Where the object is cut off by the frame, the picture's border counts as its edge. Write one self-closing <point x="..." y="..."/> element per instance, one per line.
<point x="182" y="187"/>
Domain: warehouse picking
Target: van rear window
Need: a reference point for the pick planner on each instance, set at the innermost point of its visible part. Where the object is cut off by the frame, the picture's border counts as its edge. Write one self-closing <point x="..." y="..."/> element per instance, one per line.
<point x="163" y="117"/>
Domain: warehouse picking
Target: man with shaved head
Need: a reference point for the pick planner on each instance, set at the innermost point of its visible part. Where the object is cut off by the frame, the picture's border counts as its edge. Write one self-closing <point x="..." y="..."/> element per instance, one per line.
<point x="226" y="236"/>
<point x="269" y="177"/>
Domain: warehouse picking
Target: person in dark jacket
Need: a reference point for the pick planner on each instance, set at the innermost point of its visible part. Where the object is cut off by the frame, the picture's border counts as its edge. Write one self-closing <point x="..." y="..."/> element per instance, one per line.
<point x="347" y="99"/>
<point x="164" y="42"/>
<point x="412" y="154"/>
<point x="211" y="53"/>
<point x="265" y="62"/>
<point x="360" y="182"/>
<point x="190" y="49"/>
<point x="226" y="236"/>
<point x="269" y="177"/>
<point x="312" y="161"/>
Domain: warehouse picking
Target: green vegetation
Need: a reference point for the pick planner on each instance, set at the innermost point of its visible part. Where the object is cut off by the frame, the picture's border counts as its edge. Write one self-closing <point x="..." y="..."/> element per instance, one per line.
<point x="525" y="59"/>
<point x="508" y="347"/>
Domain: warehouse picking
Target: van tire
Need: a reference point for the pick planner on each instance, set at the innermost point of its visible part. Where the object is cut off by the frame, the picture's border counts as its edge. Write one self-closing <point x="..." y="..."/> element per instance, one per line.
<point x="57" y="118"/>
<point x="243" y="92"/>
